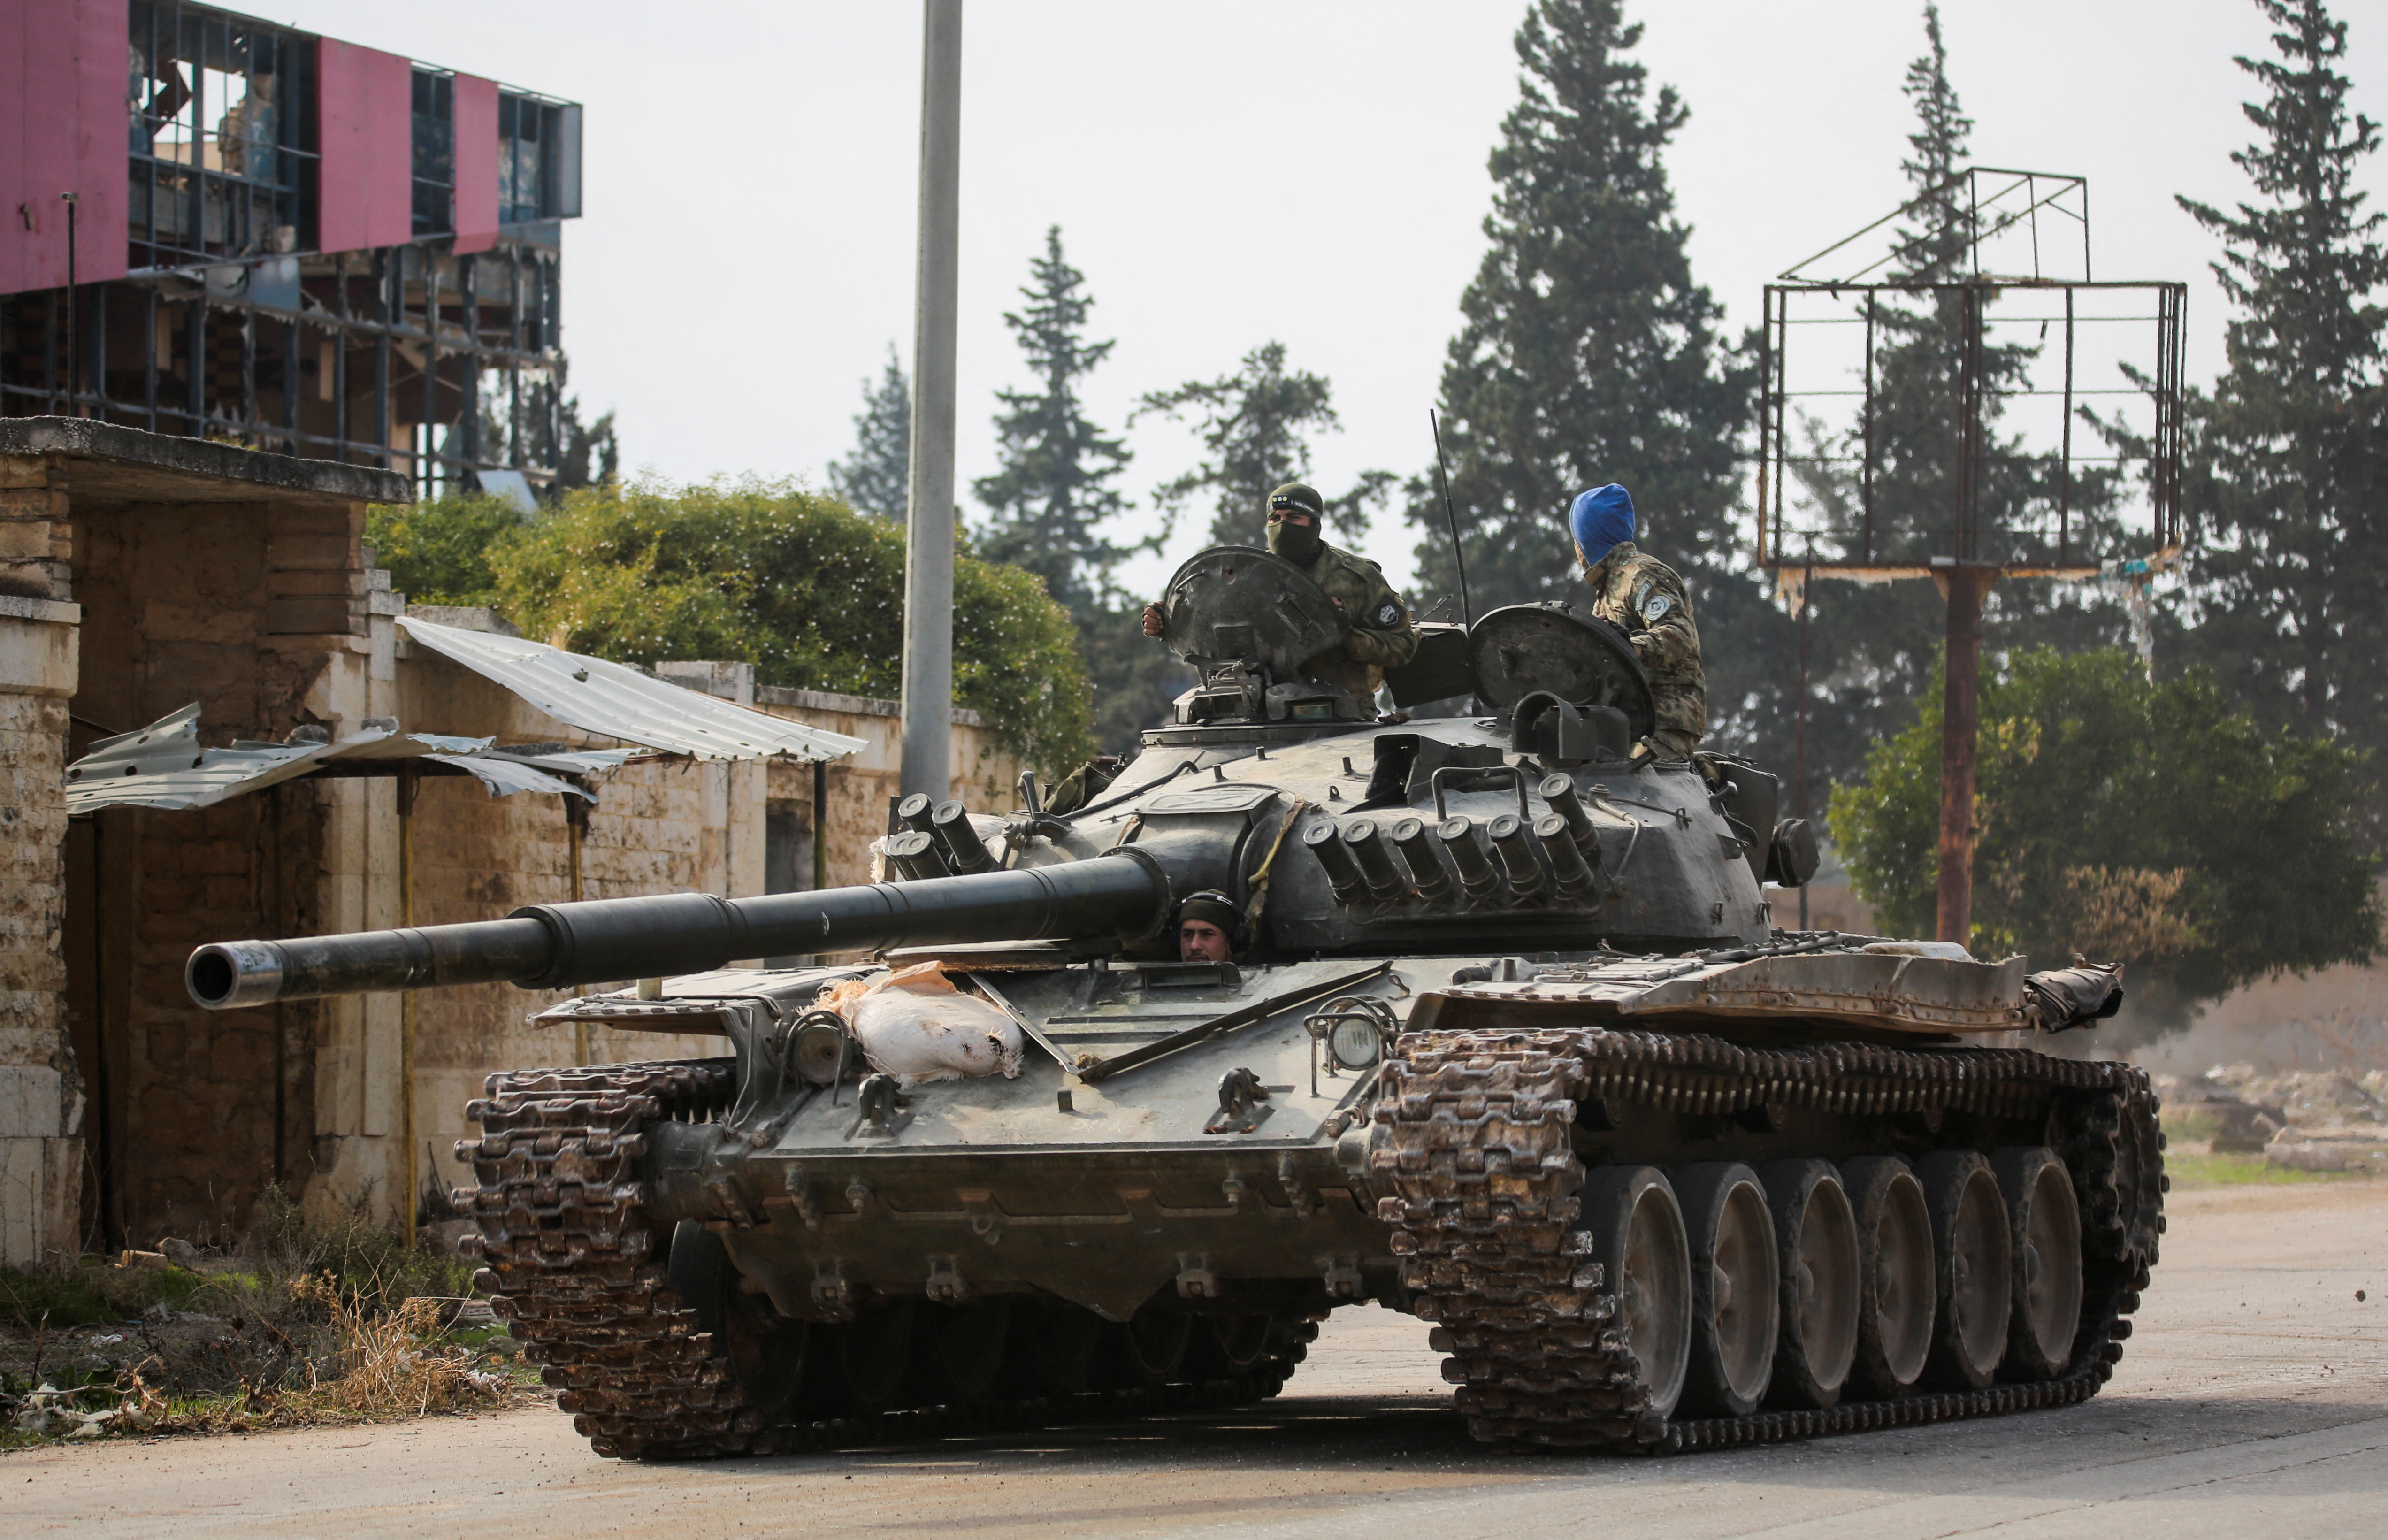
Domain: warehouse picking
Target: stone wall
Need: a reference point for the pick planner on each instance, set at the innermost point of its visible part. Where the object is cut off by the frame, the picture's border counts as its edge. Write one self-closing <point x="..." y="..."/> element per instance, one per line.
<point x="41" y="1090"/>
<point x="263" y="613"/>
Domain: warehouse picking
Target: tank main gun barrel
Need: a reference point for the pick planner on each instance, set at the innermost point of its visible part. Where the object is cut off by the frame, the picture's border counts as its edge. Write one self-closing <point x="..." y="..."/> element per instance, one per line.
<point x="550" y="946"/>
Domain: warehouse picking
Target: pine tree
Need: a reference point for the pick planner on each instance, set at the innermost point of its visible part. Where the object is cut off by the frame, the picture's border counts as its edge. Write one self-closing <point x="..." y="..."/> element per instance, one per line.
<point x="1054" y="487"/>
<point x="1256" y="425"/>
<point x="1587" y="353"/>
<point x="2285" y="475"/>
<point x="877" y="478"/>
<point x="1052" y="492"/>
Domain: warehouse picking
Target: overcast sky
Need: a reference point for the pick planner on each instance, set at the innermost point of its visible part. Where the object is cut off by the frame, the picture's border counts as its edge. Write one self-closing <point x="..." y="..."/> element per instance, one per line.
<point x="1239" y="171"/>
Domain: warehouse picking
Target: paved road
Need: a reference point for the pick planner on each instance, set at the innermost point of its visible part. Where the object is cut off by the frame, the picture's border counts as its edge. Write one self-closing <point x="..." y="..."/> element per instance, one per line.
<point x="2254" y="1401"/>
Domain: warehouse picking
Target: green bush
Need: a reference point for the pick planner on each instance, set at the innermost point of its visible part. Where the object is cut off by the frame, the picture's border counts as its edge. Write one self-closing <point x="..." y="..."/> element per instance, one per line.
<point x="2137" y="822"/>
<point x="799" y="585"/>
<point x="438" y="553"/>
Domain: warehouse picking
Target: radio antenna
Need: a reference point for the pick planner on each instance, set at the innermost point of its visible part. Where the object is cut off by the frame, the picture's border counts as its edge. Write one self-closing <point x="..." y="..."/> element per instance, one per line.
<point x="1459" y="557"/>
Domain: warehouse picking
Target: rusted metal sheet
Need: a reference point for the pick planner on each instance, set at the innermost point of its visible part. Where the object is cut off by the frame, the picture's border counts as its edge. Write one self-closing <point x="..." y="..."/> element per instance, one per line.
<point x="163" y="765"/>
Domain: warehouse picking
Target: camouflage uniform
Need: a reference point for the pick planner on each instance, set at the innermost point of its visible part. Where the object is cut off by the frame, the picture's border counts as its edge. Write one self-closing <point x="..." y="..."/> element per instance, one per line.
<point x="1381" y="635"/>
<point x="1643" y="594"/>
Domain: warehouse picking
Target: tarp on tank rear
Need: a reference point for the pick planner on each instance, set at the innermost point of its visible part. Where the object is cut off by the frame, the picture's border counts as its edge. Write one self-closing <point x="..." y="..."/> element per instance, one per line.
<point x="1864" y="985"/>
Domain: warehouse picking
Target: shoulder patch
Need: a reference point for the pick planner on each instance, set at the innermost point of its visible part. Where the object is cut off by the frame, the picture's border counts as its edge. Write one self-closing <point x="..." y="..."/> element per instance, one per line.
<point x="1655" y="605"/>
<point x="1389" y="613"/>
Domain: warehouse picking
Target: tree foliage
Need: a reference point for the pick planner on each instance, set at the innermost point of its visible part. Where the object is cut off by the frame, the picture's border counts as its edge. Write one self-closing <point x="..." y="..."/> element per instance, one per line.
<point x="801" y="587"/>
<point x="1587" y="353"/>
<point x="592" y="452"/>
<point x="584" y="453"/>
<point x="1256" y="425"/>
<point x="438" y="553"/>
<point x="877" y="476"/>
<point x="1053" y="484"/>
<point x="2286" y="471"/>
<point x="2149" y="823"/>
<point x="1053" y="489"/>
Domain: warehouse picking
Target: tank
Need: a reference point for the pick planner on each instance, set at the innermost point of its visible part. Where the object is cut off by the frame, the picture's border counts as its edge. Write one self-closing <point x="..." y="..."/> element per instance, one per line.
<point x="1512" y="1042"/>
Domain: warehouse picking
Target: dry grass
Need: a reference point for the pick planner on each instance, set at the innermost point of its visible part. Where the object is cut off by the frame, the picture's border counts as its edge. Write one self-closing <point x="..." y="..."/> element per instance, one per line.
<point x="322" y="1317"/>
<point x="393" y="1362"/>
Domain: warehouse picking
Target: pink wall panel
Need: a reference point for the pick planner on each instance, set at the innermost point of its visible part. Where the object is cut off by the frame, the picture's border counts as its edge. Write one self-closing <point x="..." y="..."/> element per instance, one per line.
<point x="477" y="164"/>
<point x="367" y="134"/>
<point x="62" y="129"/>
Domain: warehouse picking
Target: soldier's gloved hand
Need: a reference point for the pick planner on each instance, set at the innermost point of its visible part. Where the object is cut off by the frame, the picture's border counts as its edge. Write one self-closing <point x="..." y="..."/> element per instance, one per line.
<point x="1622" y="634"/>
<point x="1154" y="621"/>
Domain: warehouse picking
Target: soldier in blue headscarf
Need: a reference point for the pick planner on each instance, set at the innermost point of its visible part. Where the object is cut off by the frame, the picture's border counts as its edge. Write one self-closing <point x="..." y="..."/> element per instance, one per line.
<point x="1642" y="596"/>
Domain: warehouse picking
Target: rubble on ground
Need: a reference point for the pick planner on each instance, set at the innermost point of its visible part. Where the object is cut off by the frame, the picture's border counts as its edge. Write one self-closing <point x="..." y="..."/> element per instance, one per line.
<point x="2301" y="1120"/>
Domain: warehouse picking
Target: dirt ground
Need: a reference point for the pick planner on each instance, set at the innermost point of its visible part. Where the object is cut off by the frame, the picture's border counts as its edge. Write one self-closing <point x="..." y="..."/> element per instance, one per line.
<point x="2254" y="1400"/>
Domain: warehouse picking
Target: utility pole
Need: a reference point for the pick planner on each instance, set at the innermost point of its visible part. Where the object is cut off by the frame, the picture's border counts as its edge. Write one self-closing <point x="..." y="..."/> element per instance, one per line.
<point x="1965" y="585"/>
<point x="74" y="342"/>
<point x="929" y="544"/>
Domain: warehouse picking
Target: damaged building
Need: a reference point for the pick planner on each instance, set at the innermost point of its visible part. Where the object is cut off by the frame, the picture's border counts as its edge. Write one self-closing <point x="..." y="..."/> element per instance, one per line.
<point x="350" y="764"/>
<point x="224" y="228"/>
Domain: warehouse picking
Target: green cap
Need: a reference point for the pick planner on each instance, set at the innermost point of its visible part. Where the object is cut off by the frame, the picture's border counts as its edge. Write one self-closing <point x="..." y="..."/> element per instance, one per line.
<point x="1294" y="496"/>
<point x="1211" y="906"/>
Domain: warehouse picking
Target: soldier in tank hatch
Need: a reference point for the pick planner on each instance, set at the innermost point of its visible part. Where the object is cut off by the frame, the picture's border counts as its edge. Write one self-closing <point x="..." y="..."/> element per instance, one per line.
<point x="1209" y="928"/>
<point x="1641" y="595"/>
<point x="1382" y="636"/>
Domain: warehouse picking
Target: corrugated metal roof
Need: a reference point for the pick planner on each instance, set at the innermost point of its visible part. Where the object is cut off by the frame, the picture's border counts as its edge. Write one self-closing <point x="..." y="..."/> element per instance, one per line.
<point x="619" y="701"/>
<point x="163" y="766"/>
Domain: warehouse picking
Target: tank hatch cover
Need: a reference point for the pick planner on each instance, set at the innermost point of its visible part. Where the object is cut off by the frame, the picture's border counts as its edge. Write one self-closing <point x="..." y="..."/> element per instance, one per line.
<point x="1226" y="798"/>
<point x="1235" y="602"/>
<point x="1529" y="647"/>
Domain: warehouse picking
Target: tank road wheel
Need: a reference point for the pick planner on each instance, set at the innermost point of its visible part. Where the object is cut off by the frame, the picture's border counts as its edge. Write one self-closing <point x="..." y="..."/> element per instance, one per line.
<point x="1896" y="1294"/>
<point x="875" y="1351"/>
<point x="1637" y="1234"/>
<point x="1736" y="1289"/>
<point x="765" y="1350"/>
<point x="969" y="1341"/>
<point x="2044" y="1234"/>
<point x="1147" y="1350"/>
<point x="1816" y="1240"/>
<point x="1977" y="1267"/>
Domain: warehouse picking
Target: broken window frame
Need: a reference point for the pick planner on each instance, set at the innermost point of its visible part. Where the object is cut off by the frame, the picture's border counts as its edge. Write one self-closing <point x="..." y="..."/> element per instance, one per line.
<point x="193" y="204"/>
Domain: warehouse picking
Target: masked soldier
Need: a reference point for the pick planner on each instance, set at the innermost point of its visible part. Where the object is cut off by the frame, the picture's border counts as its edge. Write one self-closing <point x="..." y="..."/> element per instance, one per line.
<point x="1642" y="596"/>
<point x="1381" y="635"/>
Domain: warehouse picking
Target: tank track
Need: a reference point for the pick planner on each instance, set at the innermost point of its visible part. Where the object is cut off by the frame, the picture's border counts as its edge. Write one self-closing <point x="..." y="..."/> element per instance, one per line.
<point x="575" y="1266"/>
<point x="1481" y="1159"/>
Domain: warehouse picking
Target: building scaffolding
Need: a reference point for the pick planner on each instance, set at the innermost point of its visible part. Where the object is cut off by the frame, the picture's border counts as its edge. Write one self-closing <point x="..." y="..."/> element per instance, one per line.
<point x="303" y="257"/>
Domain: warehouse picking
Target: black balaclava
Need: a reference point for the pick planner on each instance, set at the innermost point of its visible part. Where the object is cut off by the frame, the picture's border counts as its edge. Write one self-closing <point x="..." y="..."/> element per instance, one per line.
<point x="1298" y="543"/>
